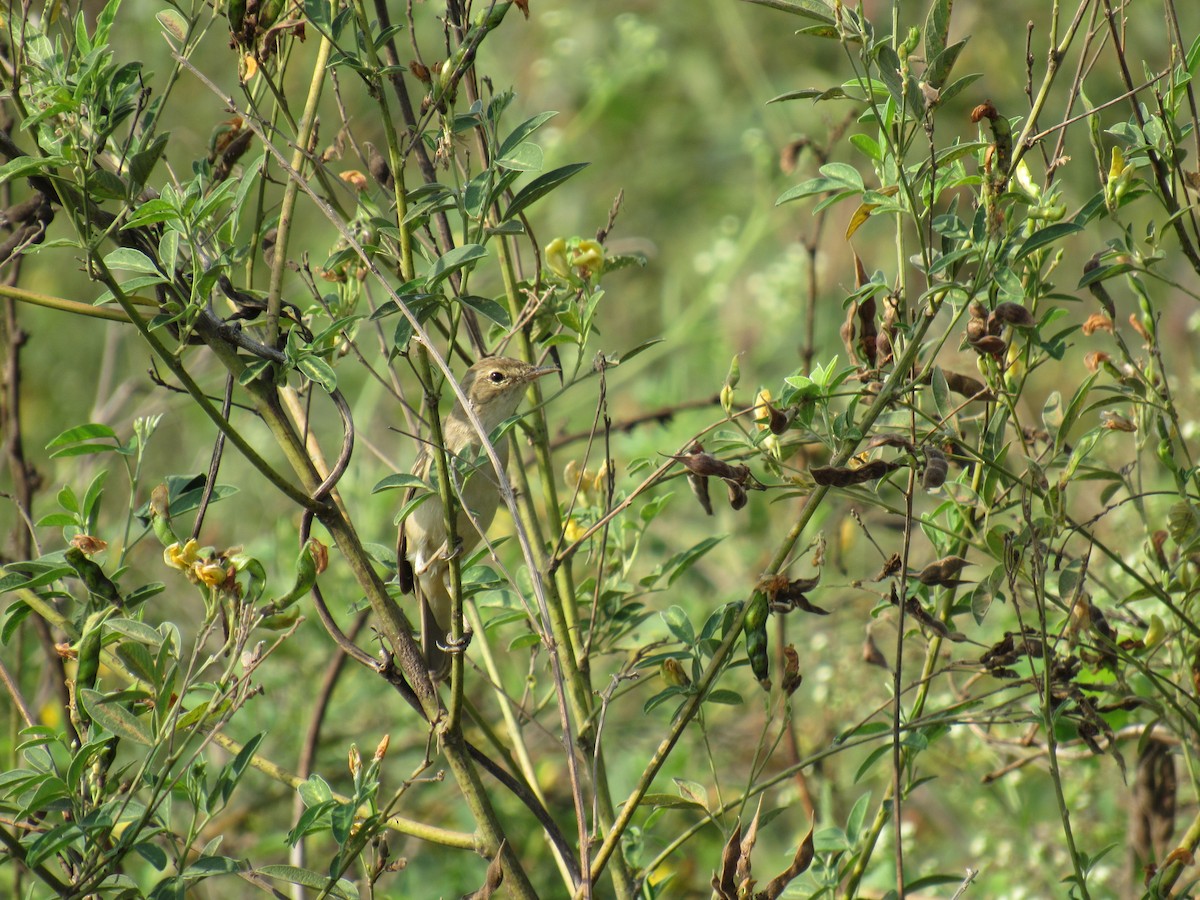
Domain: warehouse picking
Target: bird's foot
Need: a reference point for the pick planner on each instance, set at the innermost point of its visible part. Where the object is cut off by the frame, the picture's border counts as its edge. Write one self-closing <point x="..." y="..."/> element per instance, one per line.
<point x="459" y="646"/>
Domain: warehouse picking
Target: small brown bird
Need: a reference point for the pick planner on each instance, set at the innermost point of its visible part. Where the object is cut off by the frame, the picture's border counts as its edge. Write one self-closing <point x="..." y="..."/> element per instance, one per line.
<point x="494" y="386"/>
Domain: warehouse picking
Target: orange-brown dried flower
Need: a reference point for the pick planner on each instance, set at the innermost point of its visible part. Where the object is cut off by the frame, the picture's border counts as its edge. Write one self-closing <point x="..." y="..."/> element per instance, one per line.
<point x="1097" y="322"/>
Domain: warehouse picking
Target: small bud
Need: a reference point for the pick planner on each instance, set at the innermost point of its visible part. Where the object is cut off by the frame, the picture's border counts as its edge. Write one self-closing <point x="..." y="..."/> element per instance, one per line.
<point x="382" y="747"/>
<point x="727" y="399"/>
<point x="1156" y="632"/>
<point x="354" y="760"/>
<point x="734" y="375"/>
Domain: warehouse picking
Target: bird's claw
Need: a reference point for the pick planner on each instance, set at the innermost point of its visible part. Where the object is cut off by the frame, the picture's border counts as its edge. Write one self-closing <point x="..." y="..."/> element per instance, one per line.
<point x="459" y="646"/>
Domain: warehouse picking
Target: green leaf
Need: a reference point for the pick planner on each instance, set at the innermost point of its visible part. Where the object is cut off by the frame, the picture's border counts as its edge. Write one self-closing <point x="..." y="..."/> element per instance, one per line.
<point x="541" y="186"/>
<point x="670" y="801"/>
<point x="401" y="481"/>
<point x="453" y="261"/>
<point x="24" y="166"/>
<point x="151" y="212"/>
<point x="207" y="866"/>
<point x="131" y="260"/>
<point x="939" y="69"/>
<point x="488" y="308"/>
<point x="937" y="27"/>
<point x="316" y="369"/>
<point x="173" y="24"/>
<point x="1183" y="524"/>
<point x="1044" y="237"/>
<point x="82" y="433"/>
<point x="115" y="718"/>
<point x="526" y="157"/>
<point x="806" y="9"/>
<point x="342" y="889"/>
<point x="524" y="130"/>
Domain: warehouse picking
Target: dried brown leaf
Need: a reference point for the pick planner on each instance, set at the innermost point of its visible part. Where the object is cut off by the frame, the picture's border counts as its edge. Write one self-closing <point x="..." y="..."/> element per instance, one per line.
<point x="800" y="863"/>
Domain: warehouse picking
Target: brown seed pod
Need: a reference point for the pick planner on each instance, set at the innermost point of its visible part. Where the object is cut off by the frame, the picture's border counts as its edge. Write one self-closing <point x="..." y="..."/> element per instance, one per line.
<point x="699" y="486"/>
<point x="1013" y="314"/>
<point x="976" y="330"/>
<point x="968" y="387"/>
<point x="977" y="310"/>
<point x="840" y="476"/>
<point x="872" y="655"/>
<point x="990" y="345"/>
<point x="791" y="670"/>
<point x="737" y="494"/>
<point x="778" y="420"/>
<point x="891" y="440"/>
<point x="936" y="469"/>
<point x="706" y="465"/>
<point x="883" y="349"/>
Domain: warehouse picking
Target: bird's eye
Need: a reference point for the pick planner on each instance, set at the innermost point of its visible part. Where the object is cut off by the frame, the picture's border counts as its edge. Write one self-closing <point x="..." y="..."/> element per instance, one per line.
<point x="496" y="376"/>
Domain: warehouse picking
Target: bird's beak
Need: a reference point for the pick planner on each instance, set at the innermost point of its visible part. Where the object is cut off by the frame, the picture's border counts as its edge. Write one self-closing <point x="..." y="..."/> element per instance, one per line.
<point x="538" y="371"/>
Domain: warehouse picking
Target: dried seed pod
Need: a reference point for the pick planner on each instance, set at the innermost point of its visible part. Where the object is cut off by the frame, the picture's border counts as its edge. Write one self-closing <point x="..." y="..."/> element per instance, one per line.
<point x="976" y="330"/>
<point x="994" y="325"/>
<point x="936" y="469"/>
<point x="699" y="486"/>
<point x="990" y="345"/>
<point x="883" y="349"/>
<point x="706" y="465"/>
<point x="1013" y="314"/>
<point x="977" y="310"/>
<point x="778" y="420"/>
<point x="737" y="494"/>
<point x="791" y="671"/>
<point x="891" y="440"/>
<point x="872" y="655"/>
<point x="968" y="387"/>
<point x="890" y="567"/>
<point x="840" y="476"/>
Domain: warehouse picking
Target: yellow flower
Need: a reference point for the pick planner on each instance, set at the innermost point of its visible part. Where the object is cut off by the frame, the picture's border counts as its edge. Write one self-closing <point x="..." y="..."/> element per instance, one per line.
<point x="210" y="573"/>
<point x="574" y="531"/>
<point x="182" y="558"/>
<point x="762" y="415"/>
<point x="588" y="258"/>
<point x="556" y="258"/>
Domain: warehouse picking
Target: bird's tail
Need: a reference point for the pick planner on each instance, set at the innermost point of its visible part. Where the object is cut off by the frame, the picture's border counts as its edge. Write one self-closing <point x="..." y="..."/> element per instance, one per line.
<point x="434" y="602"/>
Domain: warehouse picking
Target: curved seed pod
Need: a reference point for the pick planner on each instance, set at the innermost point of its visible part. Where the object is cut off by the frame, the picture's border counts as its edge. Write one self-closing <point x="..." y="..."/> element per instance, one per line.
<point x="839" y="476"/>
<point x="737" y="494"/>
<point x="976" y="329"/>
<point x="1013" y="314"/>
<point x="936" y="469"/>
<point x="990" y="346"/>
